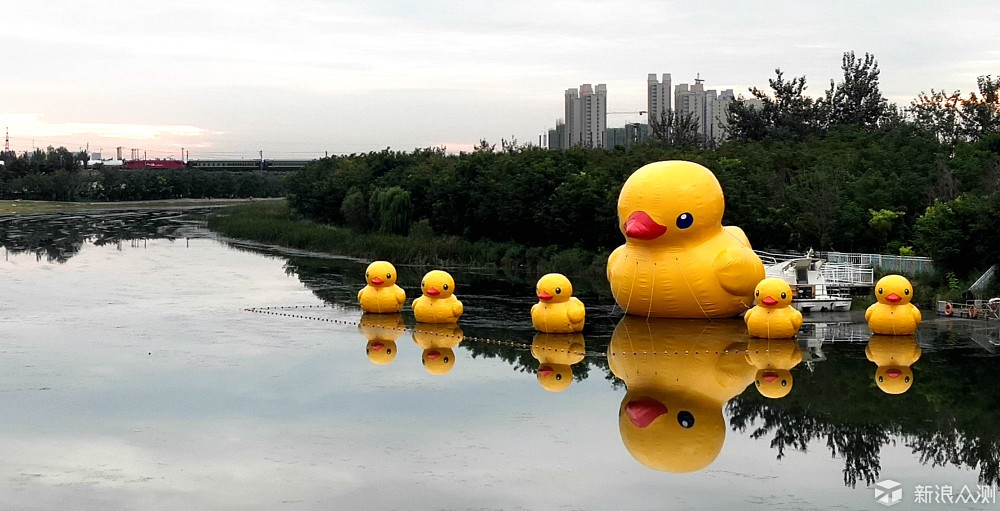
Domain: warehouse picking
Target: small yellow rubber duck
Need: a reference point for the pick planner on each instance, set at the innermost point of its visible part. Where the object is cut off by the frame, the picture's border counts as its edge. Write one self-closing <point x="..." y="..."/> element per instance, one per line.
<point x="381" y="295"/>
<point x="438" y="341"/>
<point x="894" y="355"/>
<point x="381" y="330"/>
<point x="774" y="360"/>
<point x="437" y="303"/>
<point x="557" y="310"/>
<point x="556" y="354"/>
<point x="893" y="314"/>
<point x="773" y="317"/>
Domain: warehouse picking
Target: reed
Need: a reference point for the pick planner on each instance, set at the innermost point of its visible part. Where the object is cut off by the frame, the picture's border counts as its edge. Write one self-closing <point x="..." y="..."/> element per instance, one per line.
<point x="275" y="223"/>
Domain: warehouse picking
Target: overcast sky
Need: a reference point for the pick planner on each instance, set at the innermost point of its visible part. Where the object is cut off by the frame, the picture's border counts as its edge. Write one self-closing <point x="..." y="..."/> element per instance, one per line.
<point x="299" y="78"/>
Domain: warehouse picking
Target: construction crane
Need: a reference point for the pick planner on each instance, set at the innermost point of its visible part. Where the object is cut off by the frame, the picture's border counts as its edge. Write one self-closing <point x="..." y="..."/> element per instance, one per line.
<point x="640" y="112"/>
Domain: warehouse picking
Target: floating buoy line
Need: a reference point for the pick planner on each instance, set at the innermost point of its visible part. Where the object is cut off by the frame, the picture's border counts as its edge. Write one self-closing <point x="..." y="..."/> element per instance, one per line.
<point x="292" y="311"/>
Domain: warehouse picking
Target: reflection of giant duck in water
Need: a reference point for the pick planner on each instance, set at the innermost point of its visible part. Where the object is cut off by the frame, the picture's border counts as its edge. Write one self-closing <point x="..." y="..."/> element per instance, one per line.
<point x="381" y="330"/>
<point x="438" y="341"/>
<point x="894" y="355"/>
<point x="556" y="354"/>
<point x="679" y="375"/>
<point x="774" y="360"/>
<point x="678" y="260"/>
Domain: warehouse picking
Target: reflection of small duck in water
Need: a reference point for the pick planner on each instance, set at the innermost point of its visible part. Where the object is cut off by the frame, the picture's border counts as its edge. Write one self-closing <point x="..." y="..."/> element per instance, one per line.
<point x="556" y="353"/>
<point x="437" y="303"/>
<point x="381" y="330"/>
<point x="773" y="317"/>
<point x="893" y="314"/>
<point x="894" y="355"/>
<point x="381" y="294"/>
<point x="438" y="342"/>
<point x="679" y="375"/>
<point x="774" y="360"/>
<point x="557" y="310"/>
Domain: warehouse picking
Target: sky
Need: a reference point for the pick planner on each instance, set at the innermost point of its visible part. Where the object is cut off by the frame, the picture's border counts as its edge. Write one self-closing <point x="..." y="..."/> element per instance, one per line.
<point x="305" y="78"/>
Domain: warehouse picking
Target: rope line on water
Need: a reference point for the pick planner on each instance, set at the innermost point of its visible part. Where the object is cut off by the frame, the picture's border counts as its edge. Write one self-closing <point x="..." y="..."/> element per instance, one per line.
<point x="283" y="312"/>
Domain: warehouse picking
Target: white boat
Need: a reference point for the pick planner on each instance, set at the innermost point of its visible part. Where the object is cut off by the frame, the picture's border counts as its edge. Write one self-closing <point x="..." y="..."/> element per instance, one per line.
<point x="816" y="286"/>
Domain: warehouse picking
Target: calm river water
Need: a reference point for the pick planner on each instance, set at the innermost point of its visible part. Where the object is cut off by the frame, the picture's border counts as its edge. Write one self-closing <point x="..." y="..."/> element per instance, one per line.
<point x="147" y="364"/>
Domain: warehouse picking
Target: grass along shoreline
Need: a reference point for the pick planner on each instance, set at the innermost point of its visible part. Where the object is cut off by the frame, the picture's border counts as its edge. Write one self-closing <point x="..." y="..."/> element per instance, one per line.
<point x="31" y="207"/>
<point x="274" y="223"/>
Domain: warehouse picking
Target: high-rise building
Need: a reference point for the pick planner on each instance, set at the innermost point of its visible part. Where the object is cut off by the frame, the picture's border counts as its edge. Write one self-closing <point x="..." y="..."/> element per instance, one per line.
<point x="658" y="97"/>
<point x="586" y="116"/>
<point x="706" y="107"/>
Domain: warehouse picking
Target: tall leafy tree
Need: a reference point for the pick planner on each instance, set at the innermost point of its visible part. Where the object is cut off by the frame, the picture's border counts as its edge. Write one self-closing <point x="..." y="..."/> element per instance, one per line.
<point x="787" y="114"/>
<point x="981" y="113"/>
<point x="857" y="100"/>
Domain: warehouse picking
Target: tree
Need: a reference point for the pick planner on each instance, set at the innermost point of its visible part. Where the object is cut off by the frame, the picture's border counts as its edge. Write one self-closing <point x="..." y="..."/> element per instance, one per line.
<point x="981" y="114"/>
<point x="937" y="114"/>
<point x="788" y="115"/>
<point x="677" y="130"/>
<point x="391" y="210"/>
<point x="857" y="100"/>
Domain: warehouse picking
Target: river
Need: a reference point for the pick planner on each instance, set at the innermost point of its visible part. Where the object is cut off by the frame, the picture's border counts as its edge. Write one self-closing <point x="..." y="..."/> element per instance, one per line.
<point x="148" y="364"/>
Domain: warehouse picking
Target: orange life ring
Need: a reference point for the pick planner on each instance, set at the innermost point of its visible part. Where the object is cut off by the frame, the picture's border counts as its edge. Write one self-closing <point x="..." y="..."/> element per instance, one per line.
<point x="973" y="312"/>
<point x="948" y="309"/>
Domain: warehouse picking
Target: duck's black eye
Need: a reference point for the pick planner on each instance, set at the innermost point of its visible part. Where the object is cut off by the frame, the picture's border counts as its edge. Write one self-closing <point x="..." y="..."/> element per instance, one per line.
<point x="906" y="292"/>
<point x="685" y="220"/>
<point x="907" y="379"/>
<point x="423" y="284"/>
<point x="388" y="351"/>
<point x="784" y="383"/>
<point x="685" y="419"/>
<point x="558" y="290"/>
<point x="880" y="379"/>
<point x="423" y="361"/>
<point x="367" y="275"/>
<point x="558" y="376"/>
<point x="879" y="290"/>
<point x="388" y="276"/>
<point x="784" y="295"/>
<point x="445" y="360"/>
<point x="758" y="383"/>
<point x="757" y="293"/>
<point x="445" y="287"/>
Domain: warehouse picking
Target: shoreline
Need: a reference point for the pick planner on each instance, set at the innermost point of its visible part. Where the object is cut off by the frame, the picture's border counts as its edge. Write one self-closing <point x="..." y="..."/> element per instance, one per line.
<point x="33" y="207"/>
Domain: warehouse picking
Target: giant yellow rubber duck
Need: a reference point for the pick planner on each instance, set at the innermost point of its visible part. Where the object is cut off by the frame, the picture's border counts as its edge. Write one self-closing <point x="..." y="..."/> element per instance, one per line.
<point x="894" y="354"/>
<point x="438" y="341"/>
<point x="556" y="354"/>
<point x="381" y="295"/>
<point x="381" y="331"/>
<point x="773" y="317"/>
<point x="437" y="302"/>
<point x="774" y="360"/>
<point x="679" y="374"/>
<point x="557" y="310"/>
<point x="893" y="314"/>
<point x="678" y="260"/>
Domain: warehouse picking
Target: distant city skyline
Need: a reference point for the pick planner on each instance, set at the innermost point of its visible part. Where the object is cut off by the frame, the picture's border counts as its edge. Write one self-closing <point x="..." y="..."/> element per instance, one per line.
<point x="303" y="78"/>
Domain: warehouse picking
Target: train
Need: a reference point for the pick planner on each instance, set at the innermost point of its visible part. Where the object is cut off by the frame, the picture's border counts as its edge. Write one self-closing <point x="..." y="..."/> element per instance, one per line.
<point x="264" y="165"/>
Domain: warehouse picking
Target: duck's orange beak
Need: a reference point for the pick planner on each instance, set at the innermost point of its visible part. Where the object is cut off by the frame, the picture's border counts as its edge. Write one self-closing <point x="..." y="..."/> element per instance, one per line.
<point x="769" y="376"/>
<point x="377" y="281"/>
<point x="770" y="302"/>
<point x="377" y="346"/>
<point x="433" y="355"/>
<point x="639" y="225"/>
<point x="545" y="371"/>
<point x="642" y="412"/>
<point x="893" y="373"/>
<point x="543" y="296"/>
<point x="433" y="291"/>
<point x="893" y="298"/>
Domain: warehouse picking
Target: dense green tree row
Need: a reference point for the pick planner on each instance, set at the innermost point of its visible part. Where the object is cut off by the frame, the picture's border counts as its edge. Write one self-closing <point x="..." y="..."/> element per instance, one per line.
<point x="851" y="190"/>
<point x="57" y="174"/>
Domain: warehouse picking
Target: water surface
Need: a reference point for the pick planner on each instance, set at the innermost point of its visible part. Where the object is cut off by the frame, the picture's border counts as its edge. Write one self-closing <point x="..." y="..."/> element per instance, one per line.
<point x="149" y="365"/>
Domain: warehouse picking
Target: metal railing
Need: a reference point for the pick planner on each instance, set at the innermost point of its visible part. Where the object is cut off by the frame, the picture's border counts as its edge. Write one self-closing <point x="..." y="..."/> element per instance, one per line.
<point x="911" y="265"/>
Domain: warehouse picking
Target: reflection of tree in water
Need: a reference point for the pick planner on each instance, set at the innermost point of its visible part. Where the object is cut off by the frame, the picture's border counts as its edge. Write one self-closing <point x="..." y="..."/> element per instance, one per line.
<point x="948" y="417"/>
<point x="60" y="237"/>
